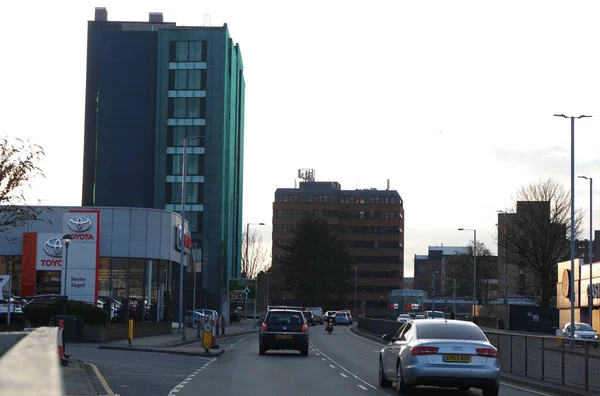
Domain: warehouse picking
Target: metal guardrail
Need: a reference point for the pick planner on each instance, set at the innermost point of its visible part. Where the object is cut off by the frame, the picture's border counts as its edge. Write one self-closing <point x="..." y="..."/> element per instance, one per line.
<point x="545" y="358"/>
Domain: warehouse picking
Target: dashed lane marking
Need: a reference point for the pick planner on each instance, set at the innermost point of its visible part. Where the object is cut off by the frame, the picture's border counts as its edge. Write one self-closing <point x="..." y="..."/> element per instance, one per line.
<point x="362" y="387"/>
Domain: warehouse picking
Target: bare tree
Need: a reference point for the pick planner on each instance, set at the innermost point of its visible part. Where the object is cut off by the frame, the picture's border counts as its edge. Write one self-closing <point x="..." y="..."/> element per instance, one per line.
<point x="18" y="166"/>
<point x="257" y="254"/>
<point x="538" y="236"/>
<point x="459" y="268"/>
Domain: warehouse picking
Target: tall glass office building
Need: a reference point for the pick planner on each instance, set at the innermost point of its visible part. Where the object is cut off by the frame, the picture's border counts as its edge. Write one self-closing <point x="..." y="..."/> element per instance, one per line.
<point x="150" y="85"/>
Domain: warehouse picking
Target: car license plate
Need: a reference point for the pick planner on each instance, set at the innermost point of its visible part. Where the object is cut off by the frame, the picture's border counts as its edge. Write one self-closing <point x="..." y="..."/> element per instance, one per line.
<point x="284" y="336"/>
<point x="457" y="358"/>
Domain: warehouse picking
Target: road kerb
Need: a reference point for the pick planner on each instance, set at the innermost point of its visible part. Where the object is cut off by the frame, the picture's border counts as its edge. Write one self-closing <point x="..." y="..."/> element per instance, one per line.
<point x="101" y="379"/>
<point x="163" y="350"/>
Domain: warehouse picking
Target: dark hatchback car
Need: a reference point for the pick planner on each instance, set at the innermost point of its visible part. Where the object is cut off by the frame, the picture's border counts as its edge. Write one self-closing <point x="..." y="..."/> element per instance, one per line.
<point x="310" y="318"/>
<point x="284" y="329"/>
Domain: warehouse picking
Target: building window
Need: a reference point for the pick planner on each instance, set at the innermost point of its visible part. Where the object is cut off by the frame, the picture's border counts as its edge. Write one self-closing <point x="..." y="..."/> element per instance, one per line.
<point x="187" y="51"/>
<point x="176" y="134"/>
<point x="195" y="220"/>
<point x="187" y="107"/>
<point x="11" y="265"/>
<point x="194" y="193"/>
<point x="182" y="80"/>
<point x="194" y="164"/>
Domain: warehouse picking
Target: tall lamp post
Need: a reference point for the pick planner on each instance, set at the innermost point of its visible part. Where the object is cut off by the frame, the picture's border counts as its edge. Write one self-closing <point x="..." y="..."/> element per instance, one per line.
<point x="182" y="236"/>
<point x="355" y="285"/>
<point x="474" y="266"/>
<point x="433" y="297"/>
<point x="66" y="240"/>
<point x="506" y="316"/>
<point x="247" y="260"/>
<point x="572" y="274"/>
<point x="591" y="252"/>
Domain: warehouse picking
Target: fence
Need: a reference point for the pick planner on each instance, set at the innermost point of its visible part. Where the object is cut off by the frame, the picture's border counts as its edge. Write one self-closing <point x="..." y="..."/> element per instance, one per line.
<point x="545" y="358"/>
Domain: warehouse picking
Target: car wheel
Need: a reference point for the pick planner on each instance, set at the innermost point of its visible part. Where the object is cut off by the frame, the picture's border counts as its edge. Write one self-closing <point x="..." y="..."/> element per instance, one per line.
<point x="383" y="382"/>
<point x="491" y="391"/>
<point x="304" y="351"/>
<point x="401" y="387"/>
<point x="261" y="351"/>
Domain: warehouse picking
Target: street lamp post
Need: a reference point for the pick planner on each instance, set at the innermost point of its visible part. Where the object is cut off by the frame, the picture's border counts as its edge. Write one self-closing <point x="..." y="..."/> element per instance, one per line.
<point x="572" y="275"/>
<point x="591" y="252"/>
<point x="355" y="285"/>
<point x="66" y="240"/>
<point x="474" y="266"/>
<point x="506" y="316"/>
<point x="246" y="262"/>
<point x="433" y="297"/>
<point x="182" y="236"/>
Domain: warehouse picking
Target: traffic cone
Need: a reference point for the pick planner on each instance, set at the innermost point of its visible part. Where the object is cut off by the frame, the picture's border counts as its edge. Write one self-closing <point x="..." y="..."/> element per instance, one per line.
<point x="61" y="346"/>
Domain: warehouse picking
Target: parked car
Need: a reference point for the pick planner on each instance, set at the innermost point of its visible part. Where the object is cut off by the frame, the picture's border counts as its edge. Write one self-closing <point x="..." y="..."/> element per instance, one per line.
<point x="442" y="353"/>
<point x="283" y="329"/>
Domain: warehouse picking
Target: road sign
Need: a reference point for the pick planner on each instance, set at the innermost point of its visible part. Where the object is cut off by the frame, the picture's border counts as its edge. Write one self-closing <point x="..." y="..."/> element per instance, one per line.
<point x="242" y="287"/>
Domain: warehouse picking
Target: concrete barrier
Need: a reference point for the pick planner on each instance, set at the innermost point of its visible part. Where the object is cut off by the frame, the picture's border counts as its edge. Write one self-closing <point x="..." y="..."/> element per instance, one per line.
<point x="31" y="365"/>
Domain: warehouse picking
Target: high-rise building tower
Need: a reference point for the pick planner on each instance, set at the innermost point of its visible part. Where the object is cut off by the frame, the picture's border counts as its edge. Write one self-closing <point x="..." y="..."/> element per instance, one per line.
<point x="149" y="86"/>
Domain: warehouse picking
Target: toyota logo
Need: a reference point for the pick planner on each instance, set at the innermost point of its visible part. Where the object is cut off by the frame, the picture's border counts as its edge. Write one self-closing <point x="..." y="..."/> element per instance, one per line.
<point x="80" y="224"/>
<point x="53" y="247"/>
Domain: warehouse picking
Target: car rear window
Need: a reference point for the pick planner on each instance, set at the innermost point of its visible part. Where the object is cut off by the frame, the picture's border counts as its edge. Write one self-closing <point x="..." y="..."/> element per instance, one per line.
<point x="308" y="314"/>
<point x="340" y="314"/>
<point x="448" y="331"/>
<point x="284" y="318"/>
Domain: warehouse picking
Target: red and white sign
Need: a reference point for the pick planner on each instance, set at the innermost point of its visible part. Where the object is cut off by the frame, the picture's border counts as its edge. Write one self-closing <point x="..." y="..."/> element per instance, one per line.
<point x="187" y="240"/>
<point x="49" y="252"/>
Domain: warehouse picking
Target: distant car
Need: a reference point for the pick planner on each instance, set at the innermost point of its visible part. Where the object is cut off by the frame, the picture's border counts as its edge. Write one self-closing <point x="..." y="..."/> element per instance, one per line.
<point x="349" y="314"/>
<point x="342" y="318"/>
<point x="403" y="318"/>
<point x="434" y="314"/>
<point x="419" y="316"/>
<point x="310" y="318"/>
<point x="330" y="314"/>
<point x="583" y="332"/>
<point x="442" y="353"/>
<point x="317" y="313"/>
<point x="283" y="329"/>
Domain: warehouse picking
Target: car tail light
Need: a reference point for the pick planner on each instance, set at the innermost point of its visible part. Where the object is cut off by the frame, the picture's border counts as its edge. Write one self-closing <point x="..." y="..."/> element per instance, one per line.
<point x="304" y="328"/>
<point x="424" y="350"/>
<point x="487" y="352"/>
<point x="263" y="328"/>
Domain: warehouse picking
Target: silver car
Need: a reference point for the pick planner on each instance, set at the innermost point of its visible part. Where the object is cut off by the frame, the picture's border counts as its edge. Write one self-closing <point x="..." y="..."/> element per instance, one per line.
<point x="444" y="353"/>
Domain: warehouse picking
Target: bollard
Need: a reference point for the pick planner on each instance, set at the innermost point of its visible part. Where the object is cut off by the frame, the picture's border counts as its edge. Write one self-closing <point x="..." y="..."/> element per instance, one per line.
<point x="61" y="349"/>
<point x="130" y="331"/>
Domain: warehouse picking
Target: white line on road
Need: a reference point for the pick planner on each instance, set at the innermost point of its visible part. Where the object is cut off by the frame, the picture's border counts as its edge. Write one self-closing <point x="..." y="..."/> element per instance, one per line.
<point x="180" y="386"/>
<point x="332" y="366"/>
<point x="343" y="375"/>
<point x="323" y="359"/>
<point x="362" y="387"/>
<point x="348" y="371"/>
<point x="525" y="389"/>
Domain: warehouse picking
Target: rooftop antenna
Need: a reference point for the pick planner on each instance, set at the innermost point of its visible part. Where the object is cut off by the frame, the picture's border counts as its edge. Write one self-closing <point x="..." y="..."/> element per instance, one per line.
<point x="307" y="175"/>
<point x="388" y="184"/>
<point x="206" y="20"/>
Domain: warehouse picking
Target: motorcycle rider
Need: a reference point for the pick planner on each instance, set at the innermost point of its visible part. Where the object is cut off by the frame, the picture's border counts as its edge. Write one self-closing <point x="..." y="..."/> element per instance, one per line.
<point x="329" y="326"/>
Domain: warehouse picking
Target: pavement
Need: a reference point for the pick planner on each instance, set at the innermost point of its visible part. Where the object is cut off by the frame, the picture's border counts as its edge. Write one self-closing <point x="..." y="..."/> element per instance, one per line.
<point x="83" y="377"/>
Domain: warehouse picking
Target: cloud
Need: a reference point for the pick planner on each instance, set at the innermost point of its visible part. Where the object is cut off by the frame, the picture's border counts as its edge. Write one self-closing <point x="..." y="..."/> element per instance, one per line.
<point x="546" y="162"/>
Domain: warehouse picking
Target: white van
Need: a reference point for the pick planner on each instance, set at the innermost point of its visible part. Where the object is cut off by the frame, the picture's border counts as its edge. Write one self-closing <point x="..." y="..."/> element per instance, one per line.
<point x="434" y="314"/>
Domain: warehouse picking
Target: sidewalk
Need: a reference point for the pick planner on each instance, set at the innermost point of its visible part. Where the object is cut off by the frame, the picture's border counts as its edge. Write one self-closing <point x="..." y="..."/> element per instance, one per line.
<point x="173" y="343"/>
<point x="76" y="380"/>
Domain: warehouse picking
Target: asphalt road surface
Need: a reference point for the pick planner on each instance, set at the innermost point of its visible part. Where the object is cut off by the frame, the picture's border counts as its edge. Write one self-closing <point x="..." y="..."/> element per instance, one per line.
<point x="338" y="364"/>
<point x="141" y="373"/>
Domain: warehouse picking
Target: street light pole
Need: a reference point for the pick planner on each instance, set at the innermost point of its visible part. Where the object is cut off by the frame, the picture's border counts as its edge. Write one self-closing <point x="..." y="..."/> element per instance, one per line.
<point x="433" y="297"/>
<point x="506" y="315"/>
<point x="572" y="274"/>
<point x="66" y="240"/>
<point x="474" y="266"/>
<point x="355" y="285"/>
<point x="591" y="250"/>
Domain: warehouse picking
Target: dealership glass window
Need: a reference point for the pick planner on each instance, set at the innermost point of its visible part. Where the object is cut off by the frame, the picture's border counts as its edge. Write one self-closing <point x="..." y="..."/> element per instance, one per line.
<point x="104" y="279"/>
<point x="11" y="265"/>
<point x="48" y="282"/>
<point x="136" y="278"/>
<point x="119" y="277"/>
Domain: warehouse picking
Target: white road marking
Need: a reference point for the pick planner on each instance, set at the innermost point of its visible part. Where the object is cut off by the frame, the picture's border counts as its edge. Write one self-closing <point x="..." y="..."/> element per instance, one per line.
<point x="362" y="387"/>
<point x="343" y="375"/>
<point x="180" y="386"/>
<point x="323" y="359"/>
<point x="525" y="389"/>
<point x="332" y="366"/>
<point x="348" y="371"/>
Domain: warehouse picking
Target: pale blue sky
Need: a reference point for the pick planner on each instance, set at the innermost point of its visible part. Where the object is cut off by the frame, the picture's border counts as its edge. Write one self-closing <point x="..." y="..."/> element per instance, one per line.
<point x="451" y="101"/>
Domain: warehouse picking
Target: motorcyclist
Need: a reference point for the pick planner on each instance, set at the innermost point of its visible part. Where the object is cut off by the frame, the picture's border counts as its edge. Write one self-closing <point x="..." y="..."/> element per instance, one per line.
<point x="329" y="324"/>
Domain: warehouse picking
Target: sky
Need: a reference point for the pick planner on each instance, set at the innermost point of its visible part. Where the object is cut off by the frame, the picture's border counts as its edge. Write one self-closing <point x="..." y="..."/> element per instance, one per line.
<point x="453" y="102"/>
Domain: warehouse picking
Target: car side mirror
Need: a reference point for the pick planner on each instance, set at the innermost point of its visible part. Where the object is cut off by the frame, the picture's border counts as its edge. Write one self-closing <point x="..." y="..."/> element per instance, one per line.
<point x="386" y="337"/>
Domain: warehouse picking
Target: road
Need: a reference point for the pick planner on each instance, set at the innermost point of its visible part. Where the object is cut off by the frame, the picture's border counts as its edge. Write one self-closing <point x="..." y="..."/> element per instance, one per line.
<point x="340" y="363"/>
<point x="141" y="373"/>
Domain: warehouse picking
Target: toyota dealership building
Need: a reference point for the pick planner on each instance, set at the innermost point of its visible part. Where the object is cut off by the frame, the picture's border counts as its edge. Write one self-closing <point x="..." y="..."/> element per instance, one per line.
<point x="109" y="251"/>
